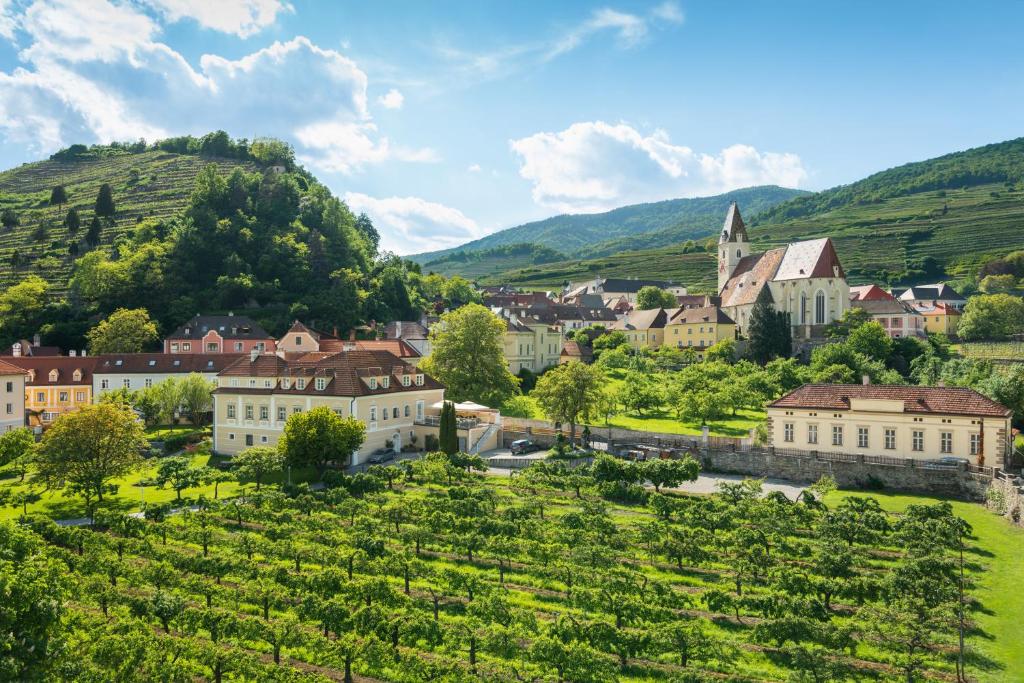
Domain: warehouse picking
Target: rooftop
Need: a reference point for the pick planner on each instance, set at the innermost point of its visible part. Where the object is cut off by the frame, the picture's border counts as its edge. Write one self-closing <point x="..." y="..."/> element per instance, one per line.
<point x="934" y="400"/>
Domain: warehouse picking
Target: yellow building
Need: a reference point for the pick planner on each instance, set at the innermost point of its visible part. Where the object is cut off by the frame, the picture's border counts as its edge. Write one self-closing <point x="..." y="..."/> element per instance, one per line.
<point x="698" y="328"/>
<point x="257" y="393"/>
<point x="643" y="329"/>
<point x="55" y="385"/>
<point x="923" y="423"/>
<point x="940" y="318"/>
<point x="530" y="343"/>
<point x="12" y="396"/>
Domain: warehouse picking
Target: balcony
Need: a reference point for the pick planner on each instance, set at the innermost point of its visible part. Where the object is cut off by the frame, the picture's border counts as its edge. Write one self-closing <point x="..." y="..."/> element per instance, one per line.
<point x="461" y="423"/>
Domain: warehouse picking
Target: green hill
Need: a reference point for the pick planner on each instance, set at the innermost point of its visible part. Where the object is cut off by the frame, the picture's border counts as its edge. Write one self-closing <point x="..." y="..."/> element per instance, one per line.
<point x="478" y="264"/>
<point x="147" y="184"/>
<point x="925" y="220"/>
<point x="637" y="226"/>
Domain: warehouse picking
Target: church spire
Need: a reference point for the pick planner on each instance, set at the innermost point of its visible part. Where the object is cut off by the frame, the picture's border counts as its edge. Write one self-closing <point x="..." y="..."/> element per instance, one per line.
<point x="734" y="229"/>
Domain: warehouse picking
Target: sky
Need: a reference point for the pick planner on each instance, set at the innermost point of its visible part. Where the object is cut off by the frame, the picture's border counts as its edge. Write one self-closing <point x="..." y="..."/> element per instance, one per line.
<point x="446" y="121"/>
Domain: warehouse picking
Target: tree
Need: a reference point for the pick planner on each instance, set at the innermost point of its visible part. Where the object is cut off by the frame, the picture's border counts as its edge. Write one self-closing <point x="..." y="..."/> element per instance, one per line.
<point x="768" y="330"/>
<point x="257" y="463"/>
<point x="992" y="316"/>
<point x="724" y="351"/>
<point x="998" y="284"/>
<point x="72" y="221"/>
<point x="570" y="392"/>
<point x="105" y="201"/>
<point x="195" y="394"/>
<point x="9" y="219"/>
<point x="123" y="331"/>
<point x="93" y="234"/>
<point x="179" y="473"/>
<point x="650" y="296"/>
<point x="852" y="318"/>
<point x="22" y="306"/>
<point x="468" y="356"/>
<point x="670" y="472"/>
<point x="872" y="340"/>
<point x="15" y="444"/>
<point x="87" y="448"/>
<point x="448" y="436"/>
<point x="319" y="436"/>
<point x="639" y="392"/>
<point x="58" y="196"/>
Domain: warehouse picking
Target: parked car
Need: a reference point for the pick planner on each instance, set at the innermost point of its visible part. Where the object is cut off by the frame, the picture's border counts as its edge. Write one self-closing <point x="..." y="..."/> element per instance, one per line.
<point x="946" y="462"/>
<point x="524" y="446"/>
<point x="381" y="455"/>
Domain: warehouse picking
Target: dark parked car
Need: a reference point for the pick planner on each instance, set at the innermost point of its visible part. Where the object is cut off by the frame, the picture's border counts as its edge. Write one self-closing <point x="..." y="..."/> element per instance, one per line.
<point x="524" y="446"/>
<point x="381" y="455"/>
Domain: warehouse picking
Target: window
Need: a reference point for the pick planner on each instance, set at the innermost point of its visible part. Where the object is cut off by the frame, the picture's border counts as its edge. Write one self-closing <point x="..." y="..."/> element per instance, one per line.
<point x="264" y="413"/>
<point x="803" y="309"/>
<point x="419" y="410"/>
<point x="104" y="384"/>
<point x="234" y="381"/>
<point x="40" y="397"/>
<point x="812" y="434"/>
<point x="384" y="414"/>
<point x="298" y="340"/>
<point x="917" y="443"/>
<point x="248" y="412"/>
<point x="385" y="382"/>
<point x="248" y="439"/>
<point x="10" y="387"/>
<point x="819" y="308"/>
<point x="63" y="397"/>
<point x="373" y="413"/>
<point x="212" y="346"/>
<point x="149" y="382"/>
<point x="10" y="408"/>
<point x="890" y="439"/>
<point x="407" y="411"/>
<point x="231" y="437"/>
<point x="837" y="435"/>
<point x="127" y="383"/>
<point x="261" y="347"/>
<point x="174" y="348"/>
<point x="946" y="442"/>
<point x="406" y="381"/>
<point x="53" y="375"/>
<point x="296" y="410"/>
<point x="282" y="414"/>
<point x="975" y="442"/>
<point x="394" y="412"/>
<point x="321" y="383"/>
<point x="252" y="382"/>
<point x="238" y="346"/>
<point x="80" y="396"/>
<point x="300" y="384"/>
<point x="787" y="432"/>
<point x="263" y="439"/>
<point x="186" y="347"/>
<point x="862" y="437"/>
<point x="231" y="411"/>
<point x="373" y="382"/>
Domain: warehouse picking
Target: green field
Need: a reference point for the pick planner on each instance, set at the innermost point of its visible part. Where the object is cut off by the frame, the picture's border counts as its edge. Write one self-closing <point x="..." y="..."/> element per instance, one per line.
<point x="164" y="183"/>
<point x="441" y="575"/>
<point x="872" y="240"/>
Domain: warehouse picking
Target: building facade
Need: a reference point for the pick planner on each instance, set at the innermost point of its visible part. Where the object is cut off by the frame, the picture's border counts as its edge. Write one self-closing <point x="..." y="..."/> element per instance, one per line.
<point x="54" y="385"/>
<point x="804" y="279"/>
<point x="698" y="328"/>
<point x="530" y="344"/>
<point x="135" y="371"/>
<point x="923" y="423"/>
<point x="219" y="334"/>
<point x="898" y="318"/>
<point x="940" y="318"/>
<point x="12" y="396"/>
<point x="644" y="329"/>
<point x="256" y="394"/>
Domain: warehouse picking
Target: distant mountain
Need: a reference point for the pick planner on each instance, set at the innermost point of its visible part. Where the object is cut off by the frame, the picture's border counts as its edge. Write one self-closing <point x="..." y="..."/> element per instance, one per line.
<point x="637" y="226"/>
<point x="935" y="219"/>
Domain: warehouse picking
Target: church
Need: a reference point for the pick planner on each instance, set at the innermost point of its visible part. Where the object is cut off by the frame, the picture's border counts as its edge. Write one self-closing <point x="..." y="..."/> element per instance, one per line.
<point x="804" y="279"/>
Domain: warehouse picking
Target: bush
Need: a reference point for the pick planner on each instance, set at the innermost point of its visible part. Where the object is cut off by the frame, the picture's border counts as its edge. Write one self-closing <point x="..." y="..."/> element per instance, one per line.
<point x="430" y="443"/>
<point x="622" y="492"/>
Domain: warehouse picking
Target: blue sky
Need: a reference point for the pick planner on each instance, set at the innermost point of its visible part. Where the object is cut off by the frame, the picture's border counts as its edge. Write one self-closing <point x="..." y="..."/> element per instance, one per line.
<point x="446" y="121"/>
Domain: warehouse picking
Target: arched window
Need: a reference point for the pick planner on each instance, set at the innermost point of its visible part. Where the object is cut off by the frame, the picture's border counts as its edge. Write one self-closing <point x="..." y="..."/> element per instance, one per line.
<point x="803" y="309"/>
<point x="819" y="308"/>
<point x="394" y="412"/>
<point x="739" y="253"/>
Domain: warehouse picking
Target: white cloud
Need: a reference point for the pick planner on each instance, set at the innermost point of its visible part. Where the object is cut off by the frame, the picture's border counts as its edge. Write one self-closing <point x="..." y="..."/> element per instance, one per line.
<point x="473" y="168"/>
<point x="629" y="30"/>
<point x="392" y="99"/>
<point x="240" y="17"/>
<point x="97" y="72"/>
<point x="408" y="225"/>
<point x="595" y="166"/>
<point x="670" y="12"/>
<point x="8" y="22"/>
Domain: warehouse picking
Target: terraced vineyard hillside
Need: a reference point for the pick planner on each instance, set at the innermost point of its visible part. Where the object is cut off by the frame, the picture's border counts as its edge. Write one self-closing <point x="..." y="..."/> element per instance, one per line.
<point x="148" y="184"/>
<point x="889" y="239"/>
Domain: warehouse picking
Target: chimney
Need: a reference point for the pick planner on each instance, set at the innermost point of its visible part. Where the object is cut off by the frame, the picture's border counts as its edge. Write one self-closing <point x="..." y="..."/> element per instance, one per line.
<point x="253" y="355"/>
<point x="36" y="340"/>
<point x="16" y="349"/>
<point x="398" y="329"/>
<point x="865" y="380"/>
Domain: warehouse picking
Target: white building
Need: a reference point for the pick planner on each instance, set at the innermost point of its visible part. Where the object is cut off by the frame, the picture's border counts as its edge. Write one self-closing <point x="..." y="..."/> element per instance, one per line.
<point x="134" y="371"/>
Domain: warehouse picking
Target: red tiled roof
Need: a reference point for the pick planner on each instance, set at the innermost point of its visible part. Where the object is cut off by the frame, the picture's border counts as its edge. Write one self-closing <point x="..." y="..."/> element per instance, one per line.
<point x="65" y="366"/>
<point x="135" y="363"/>
<point x="870" y="293"/>
<point x="571" y="348"/>
<point x="751" y="274"/>
<point x="344" y="370"/>
<point x="11" y="369"/>
<point x="936" y="400"/>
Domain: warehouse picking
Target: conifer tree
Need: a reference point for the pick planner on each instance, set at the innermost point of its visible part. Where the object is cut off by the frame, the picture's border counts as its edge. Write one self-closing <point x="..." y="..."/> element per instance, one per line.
<point x="105" y="201"/>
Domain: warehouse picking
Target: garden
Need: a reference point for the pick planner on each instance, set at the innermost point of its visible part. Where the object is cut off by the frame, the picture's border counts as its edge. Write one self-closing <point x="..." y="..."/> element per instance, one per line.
<point x="432" y="571"/>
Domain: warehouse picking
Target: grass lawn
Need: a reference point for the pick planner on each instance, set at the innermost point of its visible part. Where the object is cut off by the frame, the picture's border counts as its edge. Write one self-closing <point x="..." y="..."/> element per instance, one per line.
<point x="999" y="555"/>
<point x="161" y="432"/>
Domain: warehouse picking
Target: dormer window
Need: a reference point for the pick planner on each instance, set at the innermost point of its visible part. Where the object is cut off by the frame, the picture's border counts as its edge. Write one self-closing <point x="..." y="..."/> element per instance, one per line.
<point x="152" y="363"/>
<point x="252" y="383"/>
<point x="385" y="382"/>
<point x="406" y="380"/>
<point x="77" y="376"/>
<point x="419" y="380"/>
<point x="53" y="375"/>
<point x="321" y="383"/>
<point x="286" y="383"/>
<point x="300" y="384"/>
<point x="118" y="362"/>
<point x="373" y="382"/>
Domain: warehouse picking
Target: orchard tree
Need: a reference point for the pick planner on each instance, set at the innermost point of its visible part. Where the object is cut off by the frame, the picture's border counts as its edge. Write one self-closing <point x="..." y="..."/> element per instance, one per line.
<point x="15" y="445"/>
<point x="89" y="447"/>
<point x="468" y="356"/>
<point x="872" y="340"/>
<point x="651" y="296"/>
<point x="123" y="331"/>
<point x="179" y="473"/>
<point x="195" y="394"/>
<point x="670" y="472"/>
<point x="257" y="463"/>
<point x="319" y="436"/>
<point x="570" y="392"/>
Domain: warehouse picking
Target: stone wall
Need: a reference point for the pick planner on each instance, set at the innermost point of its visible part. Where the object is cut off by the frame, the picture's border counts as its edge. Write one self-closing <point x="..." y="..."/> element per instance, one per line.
<point x="1006" y="498"/>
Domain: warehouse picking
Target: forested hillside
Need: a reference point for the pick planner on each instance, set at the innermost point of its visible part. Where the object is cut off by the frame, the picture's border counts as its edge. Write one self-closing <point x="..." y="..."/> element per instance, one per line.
<point x="637" y="226"/>
<point x="189" y="225"/>
<point x="937" y="219"/>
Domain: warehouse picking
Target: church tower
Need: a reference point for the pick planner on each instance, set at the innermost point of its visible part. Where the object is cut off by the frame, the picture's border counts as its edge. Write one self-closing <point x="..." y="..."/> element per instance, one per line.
<point x="732" y="245"/>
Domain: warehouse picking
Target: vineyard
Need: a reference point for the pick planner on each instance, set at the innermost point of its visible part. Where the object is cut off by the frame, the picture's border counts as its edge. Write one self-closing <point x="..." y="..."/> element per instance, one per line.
<point x="431" y="572"/>
<point x="152" y="184"/>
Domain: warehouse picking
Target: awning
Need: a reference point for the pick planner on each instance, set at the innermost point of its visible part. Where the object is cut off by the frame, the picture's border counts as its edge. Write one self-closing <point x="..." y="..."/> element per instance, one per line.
<point x="467" y="406"/>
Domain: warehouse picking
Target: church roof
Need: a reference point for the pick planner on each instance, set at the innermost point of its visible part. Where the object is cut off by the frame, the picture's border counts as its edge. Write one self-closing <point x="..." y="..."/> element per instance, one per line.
<point x="751" y="273"/>
<point x="734" y="226"/>
<point x="797" y="261"/>
<point x="813" y="258"/>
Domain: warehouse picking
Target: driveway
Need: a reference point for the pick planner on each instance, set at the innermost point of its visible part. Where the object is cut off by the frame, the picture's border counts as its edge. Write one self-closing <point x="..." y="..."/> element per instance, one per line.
<point x="707" y="482"/>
